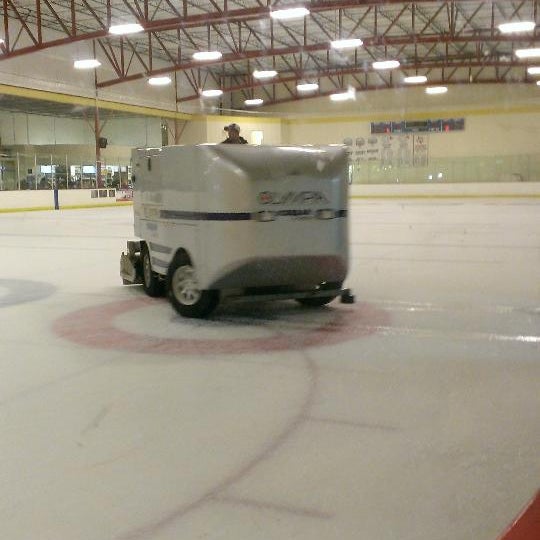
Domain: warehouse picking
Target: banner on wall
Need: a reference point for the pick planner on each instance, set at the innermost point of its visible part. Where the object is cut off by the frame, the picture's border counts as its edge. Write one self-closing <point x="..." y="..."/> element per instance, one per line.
<point x="124" y="194"/>
<point x="420" y="151"/>
<point x="389" y="150"/>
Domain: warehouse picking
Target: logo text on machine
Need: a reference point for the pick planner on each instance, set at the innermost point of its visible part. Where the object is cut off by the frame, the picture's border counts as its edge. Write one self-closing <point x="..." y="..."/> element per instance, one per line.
<point x="291" y="197"/>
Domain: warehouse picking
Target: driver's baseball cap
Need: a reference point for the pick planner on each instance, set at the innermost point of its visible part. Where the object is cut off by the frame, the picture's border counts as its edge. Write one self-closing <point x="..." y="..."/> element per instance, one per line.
<point x="233" y="126"/>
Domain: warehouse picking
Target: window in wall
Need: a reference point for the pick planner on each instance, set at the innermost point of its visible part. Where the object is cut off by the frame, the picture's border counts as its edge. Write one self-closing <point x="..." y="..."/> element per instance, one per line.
<point x="164" y="134"/>
<point x="257" y="137"/>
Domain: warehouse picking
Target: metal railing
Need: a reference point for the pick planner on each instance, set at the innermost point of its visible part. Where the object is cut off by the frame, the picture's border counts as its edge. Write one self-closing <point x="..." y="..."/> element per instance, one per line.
<point x="19" y="171"/>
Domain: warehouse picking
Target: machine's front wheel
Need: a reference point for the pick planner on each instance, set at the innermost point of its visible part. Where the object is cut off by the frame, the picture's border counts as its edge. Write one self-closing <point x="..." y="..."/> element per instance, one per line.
<point x="185" y="295"/>
<point x="153" y="286"/>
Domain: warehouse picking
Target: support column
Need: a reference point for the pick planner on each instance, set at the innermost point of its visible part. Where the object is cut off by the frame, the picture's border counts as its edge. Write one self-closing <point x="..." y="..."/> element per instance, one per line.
<point x="18" y="172"/>
<point x="97" y="127"/>
<point x="97" y="133"/>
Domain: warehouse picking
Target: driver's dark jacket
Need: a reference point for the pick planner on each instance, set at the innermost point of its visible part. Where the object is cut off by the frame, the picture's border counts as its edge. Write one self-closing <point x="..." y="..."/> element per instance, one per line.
<point x="240" y="140"/>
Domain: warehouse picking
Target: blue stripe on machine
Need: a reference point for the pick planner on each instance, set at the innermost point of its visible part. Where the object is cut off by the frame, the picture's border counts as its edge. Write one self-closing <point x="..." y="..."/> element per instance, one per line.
<point x="233" y="216"/>
<point x="206" y="216"/>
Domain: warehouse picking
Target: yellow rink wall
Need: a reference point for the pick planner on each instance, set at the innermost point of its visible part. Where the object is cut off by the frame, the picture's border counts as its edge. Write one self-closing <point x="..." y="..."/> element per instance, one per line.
<point x="28" y="200"/>
<point x="13" y="201"/>
<point x="437" y="191"/>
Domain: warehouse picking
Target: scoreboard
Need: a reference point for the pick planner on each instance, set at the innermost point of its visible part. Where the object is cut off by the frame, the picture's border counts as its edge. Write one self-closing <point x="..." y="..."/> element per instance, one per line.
<point x="418" y="126"/>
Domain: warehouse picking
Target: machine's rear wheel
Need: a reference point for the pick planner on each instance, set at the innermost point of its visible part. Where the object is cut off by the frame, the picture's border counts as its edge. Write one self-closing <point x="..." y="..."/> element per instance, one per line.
<point x="318" y="301"/>
<point x="185" y="295"/>
<point x="153" y="286"/>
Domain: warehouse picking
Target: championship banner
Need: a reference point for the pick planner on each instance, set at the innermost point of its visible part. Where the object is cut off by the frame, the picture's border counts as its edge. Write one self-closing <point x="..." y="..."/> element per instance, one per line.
<point x="389" y="150"/>
<point x="124" y="194"/>
<point x="421" y="150"/>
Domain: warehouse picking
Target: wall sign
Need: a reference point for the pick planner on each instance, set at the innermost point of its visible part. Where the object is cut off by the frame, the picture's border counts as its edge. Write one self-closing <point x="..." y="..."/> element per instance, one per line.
<point x="390" y="150"/>
<point x="419" y="126"/>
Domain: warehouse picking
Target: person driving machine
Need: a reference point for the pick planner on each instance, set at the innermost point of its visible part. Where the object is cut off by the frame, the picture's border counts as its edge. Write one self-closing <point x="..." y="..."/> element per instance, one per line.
<point x="233" y="135"/>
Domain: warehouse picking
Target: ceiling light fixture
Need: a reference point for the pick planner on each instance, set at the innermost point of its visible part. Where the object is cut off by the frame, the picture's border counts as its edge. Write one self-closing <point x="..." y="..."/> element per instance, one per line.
<point x="123" y="29"/>
<point x="307" y="87"/>
<point x="212" y="93"/>
<point x="415" y="79"/>
<point x="254" y="101"/>
<point x="533" y="70"/>
<point x="207" y="55"/>
<point x="434" y="90"/>
<point x="264" y="74"/>
<point x="346" y="43"/>
<point x="87" y="63"/>
<point x="386" y="64"/>
<point x="516" y="27"/>
<point x="527" y="53"/>
<point x="342" y="96"/>
<point x="289" y="14"/>
<point x="159" y="81"/>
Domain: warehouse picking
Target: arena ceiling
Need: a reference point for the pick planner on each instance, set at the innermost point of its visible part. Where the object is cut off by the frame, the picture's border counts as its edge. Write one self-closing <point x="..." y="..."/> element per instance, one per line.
<point x="450" y="42"/>
<point x="74" y="110"/>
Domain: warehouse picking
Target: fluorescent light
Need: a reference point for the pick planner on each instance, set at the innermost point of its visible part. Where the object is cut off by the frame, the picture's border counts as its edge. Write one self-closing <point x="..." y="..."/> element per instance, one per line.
<point x="527" y="53"/>
<point x="433" y="90"/>
<point x="87" y="63"/>
<point x="307" y="87"/>
<point x="288" y="14"/>
<point x="255" y="101"/>
<point x="342" y="96"/>
<point x="212" y="93"/>
<point x="515" y="27"/>
<point x="268" y="74"/>
<point x="207" y="55"/>
<point x="533" y="70"/>
<point x="122" y="29"/>
<point x="415" y="79"/>
<point x="346" y="43"/>
<point x="386" y="64"/>
<point x="159" y="81"/>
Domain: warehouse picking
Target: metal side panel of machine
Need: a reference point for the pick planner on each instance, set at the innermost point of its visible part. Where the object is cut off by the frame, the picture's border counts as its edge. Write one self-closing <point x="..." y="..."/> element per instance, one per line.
<point x="245" y="217"/>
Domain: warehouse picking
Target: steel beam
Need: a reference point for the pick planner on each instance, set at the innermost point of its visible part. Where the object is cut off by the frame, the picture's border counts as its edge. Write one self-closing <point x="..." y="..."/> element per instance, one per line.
<point x="329" y="74"/>
<point x="286" y="51"/>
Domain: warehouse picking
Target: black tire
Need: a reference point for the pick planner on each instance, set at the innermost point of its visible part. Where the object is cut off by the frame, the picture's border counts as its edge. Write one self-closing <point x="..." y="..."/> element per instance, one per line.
<point x="153" y="286"/>
<point x="319" y="301"/>
<point x="185" y="296"/>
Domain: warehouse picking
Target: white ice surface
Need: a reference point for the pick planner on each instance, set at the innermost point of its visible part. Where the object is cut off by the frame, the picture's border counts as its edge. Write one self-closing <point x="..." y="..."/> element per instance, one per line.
<point x="411" y="415"/>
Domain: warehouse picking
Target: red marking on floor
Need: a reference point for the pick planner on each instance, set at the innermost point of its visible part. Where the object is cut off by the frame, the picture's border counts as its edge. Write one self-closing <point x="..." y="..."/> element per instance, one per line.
<point x="527" y="525"/>
<point x="95" y="327"/>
